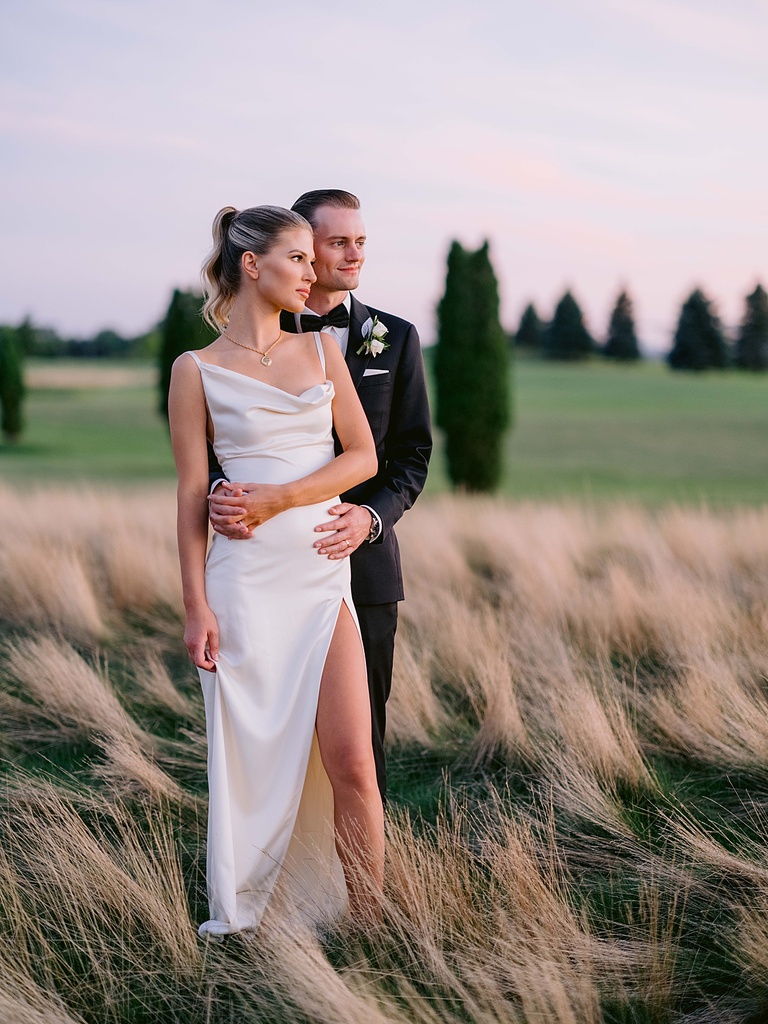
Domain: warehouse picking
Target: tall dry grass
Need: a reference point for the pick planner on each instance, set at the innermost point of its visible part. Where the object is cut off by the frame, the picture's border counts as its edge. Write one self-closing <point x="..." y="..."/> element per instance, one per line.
<point x="579" y="741"/>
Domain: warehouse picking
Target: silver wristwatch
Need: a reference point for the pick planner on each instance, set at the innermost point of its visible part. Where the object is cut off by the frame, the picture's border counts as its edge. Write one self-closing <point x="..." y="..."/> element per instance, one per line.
<point x="375" y="532"/>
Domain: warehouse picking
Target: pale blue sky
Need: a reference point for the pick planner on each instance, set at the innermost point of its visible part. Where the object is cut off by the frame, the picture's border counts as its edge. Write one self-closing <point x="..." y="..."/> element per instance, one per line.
<point x="596" y="143"/>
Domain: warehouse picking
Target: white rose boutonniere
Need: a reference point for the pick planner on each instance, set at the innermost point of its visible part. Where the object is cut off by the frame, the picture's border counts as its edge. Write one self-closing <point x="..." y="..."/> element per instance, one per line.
<point x="374" y="332"/>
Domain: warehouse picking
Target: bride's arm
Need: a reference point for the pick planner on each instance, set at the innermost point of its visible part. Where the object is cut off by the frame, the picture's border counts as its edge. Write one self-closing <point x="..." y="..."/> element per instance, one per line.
<point x="357" y="462"/>
<point x="187" y="419"/>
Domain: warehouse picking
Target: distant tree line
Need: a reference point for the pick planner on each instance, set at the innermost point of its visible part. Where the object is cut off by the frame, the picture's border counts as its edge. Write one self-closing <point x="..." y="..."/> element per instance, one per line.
<point x="46" y="343"/>
<point x="181" y="328"/>
<point x="699" y="343"/>
<point x="472" y="367"/>
<point x="566" y="336"/>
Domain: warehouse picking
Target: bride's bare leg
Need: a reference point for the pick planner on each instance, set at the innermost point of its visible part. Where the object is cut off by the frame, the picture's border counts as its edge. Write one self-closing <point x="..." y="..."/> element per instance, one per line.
<point x="344" y="735"/>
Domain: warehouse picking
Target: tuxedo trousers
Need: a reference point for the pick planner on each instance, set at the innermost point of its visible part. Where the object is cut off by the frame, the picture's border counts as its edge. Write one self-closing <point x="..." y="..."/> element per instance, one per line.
<point x="378" y="625"/>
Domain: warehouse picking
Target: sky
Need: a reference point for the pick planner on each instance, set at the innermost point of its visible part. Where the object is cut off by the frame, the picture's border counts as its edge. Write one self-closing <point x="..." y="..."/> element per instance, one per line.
<point x="597" y="145"/>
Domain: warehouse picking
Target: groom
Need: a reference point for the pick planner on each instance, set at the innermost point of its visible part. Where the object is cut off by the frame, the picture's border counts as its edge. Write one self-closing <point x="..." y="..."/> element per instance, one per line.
<point x="391" y="386"/>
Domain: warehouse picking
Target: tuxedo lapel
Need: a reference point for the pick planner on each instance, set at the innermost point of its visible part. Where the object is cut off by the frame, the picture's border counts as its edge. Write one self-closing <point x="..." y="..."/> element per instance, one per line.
<point x="358" y="314"/>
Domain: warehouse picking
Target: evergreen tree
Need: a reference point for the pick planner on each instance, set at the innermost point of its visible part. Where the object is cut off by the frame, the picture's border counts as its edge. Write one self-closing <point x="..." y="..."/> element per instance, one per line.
<point x="454" y="341"/>
<point x="11" y="385"/>
<point x="472" y="371"/>
<point x="752" y="342"/>
<point x="182" y="329"/>
<point x="26" y="336"/>
<point x="108" y="343"/>
<point x="699" y="343"/>
<point x="567" y="337"/>
<point x="530" y="331"/>
<point x="621" y="342"/>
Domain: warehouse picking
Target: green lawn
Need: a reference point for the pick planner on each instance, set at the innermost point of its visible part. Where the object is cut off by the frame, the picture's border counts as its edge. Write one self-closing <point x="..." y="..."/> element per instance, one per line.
<point x="598" y="430"/>
<point x="90" y="435"/>
<point x="592" y="430"/>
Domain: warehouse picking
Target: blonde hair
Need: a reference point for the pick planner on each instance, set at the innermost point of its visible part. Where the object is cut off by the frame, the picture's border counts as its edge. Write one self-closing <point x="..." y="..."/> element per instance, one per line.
<point x="234" y="232"/>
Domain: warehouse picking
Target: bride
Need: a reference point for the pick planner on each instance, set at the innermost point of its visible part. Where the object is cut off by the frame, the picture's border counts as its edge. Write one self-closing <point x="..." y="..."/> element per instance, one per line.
<point x="294" y="810"/>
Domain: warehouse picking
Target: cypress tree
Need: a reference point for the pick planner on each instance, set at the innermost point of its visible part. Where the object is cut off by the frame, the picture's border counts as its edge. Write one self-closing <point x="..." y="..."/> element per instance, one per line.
<point x="11" y="385"/>
<point x="472" y="371"/>
<point x="182" y="329"/>
<point x="752" y="342"/>
<point x="621" y="342"/>
<point x="567" y="337"/>
<point x="454" y="336"/>
<point x="699" y="343"/>
<point x="530" y="331"/>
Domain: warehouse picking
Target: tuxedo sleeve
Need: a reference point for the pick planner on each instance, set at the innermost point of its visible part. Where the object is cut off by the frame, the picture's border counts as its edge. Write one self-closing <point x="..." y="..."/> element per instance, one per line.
<point x="215" y="472"/>
<point x="408" y="440"/>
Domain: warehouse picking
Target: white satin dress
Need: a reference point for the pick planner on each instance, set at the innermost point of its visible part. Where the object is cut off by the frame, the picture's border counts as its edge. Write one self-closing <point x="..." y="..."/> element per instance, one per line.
<point x="270" y="819"/>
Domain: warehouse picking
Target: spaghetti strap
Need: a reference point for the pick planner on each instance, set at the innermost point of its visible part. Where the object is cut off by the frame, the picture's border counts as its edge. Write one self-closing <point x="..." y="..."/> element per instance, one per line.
<point x="320" y="351"/>
<point x="195" y="356"/>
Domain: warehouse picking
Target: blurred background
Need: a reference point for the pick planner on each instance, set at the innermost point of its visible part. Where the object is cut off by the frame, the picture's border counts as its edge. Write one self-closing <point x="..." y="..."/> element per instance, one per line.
<point x="614" y="148"/>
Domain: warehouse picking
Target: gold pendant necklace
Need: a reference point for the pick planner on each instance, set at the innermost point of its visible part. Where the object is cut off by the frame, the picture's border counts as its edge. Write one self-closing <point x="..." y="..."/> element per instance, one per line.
<point x="266" y="361"/>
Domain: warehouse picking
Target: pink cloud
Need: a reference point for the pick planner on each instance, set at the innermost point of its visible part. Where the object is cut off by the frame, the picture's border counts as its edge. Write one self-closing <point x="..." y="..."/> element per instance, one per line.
<point x="721" y="34"/>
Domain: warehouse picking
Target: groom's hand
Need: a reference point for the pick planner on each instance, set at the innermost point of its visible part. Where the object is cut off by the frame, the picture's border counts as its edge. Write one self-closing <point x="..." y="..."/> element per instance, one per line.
<point x="346" y="533"/>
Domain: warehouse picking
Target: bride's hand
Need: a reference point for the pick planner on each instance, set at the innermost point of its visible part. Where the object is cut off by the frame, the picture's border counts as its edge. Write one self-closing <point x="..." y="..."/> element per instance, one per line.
<point x="201" y="638"/>
<point x="227" y="515"/>
<point x="248" y="505"/>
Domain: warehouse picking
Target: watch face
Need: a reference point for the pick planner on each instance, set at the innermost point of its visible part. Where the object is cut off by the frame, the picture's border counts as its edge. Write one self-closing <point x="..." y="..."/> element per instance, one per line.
<point x="374" y="530"/>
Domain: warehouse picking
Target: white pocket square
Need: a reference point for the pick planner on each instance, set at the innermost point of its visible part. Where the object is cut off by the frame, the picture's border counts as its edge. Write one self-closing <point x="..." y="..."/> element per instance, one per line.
<point x="370" y="373"/>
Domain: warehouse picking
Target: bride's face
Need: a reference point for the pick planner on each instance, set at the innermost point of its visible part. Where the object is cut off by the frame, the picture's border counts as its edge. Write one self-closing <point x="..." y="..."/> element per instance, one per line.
<point x="285" y="274"/>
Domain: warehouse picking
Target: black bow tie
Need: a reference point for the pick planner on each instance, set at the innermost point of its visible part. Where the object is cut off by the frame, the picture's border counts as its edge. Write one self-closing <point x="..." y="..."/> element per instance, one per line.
<point x="337" y="317"/>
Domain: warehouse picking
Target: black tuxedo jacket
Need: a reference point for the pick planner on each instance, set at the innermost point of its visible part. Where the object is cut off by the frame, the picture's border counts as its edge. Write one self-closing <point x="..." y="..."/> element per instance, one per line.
<point x="397" y="408"/>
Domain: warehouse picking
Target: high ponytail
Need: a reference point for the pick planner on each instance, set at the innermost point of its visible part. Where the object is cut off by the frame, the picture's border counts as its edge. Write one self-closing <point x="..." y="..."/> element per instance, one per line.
<point x="234" y="232"/>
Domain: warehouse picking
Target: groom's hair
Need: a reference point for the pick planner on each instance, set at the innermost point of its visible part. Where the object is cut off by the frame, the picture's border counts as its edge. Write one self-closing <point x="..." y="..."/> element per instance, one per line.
<point x="308" y="204"/>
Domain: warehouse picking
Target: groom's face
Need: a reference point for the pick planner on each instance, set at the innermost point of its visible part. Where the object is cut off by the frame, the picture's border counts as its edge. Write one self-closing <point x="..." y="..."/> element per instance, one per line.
<point x="339" y="248"/>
